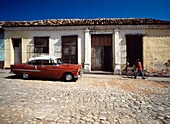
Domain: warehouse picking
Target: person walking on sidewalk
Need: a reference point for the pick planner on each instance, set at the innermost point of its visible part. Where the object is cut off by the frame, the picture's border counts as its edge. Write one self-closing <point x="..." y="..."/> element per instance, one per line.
<point x="139" y="67"/>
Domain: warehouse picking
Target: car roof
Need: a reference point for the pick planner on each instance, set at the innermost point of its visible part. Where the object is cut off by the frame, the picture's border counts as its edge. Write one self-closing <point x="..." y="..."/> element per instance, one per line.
<point x="43" y="58"/>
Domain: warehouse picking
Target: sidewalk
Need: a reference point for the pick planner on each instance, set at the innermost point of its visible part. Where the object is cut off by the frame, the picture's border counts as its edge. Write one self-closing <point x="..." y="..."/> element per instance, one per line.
<point x="6" y="72"/>
<point x="164" y="79"/>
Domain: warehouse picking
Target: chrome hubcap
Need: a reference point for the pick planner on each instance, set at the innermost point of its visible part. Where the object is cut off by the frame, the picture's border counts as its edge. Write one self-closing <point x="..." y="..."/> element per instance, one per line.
<point x="69" y="77"/>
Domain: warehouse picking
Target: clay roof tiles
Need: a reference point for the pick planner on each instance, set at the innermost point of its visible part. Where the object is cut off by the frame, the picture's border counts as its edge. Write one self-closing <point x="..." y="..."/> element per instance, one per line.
<point x="78" y="22"/>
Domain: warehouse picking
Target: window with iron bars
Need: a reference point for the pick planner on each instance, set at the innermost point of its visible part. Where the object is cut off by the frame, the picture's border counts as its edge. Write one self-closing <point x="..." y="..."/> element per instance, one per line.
<point x="41" y="44"/>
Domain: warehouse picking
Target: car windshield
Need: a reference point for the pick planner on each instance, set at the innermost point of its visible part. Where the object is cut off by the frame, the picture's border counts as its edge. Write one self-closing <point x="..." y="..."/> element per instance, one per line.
<point x="58" y="61"/>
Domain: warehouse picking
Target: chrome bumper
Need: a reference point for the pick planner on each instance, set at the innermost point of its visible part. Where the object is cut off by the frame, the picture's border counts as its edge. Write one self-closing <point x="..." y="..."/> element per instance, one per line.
<point x="77" y="76"/>
<point x="80" y="72"/>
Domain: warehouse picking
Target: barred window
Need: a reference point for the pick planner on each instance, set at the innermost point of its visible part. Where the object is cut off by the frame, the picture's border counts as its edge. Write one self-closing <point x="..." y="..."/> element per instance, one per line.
<point x="41" y="44"/>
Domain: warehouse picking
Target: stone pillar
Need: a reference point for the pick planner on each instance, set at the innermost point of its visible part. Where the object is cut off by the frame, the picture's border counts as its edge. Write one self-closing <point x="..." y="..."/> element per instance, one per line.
<point x="87" y="63"/>
<point x="117" y="69"/>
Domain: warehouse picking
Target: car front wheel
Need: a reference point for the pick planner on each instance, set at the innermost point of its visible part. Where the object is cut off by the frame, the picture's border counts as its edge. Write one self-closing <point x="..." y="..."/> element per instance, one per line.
<point x="68" y="77"/>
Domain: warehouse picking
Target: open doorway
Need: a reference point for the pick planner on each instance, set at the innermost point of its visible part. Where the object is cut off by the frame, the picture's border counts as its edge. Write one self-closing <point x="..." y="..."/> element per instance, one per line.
<point x="134" y="45"/>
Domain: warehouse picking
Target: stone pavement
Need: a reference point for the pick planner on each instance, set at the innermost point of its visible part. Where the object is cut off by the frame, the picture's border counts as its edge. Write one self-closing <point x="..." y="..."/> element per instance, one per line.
<point x="96" y="99"/>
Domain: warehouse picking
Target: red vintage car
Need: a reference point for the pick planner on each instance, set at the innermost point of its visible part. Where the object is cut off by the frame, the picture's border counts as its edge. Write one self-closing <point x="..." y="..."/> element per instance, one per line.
<point x="47" y="67"/>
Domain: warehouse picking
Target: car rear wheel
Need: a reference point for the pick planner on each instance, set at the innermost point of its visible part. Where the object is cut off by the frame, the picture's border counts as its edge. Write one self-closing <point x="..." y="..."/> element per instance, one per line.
<point x="68" y="77"/>
<point x="25" y="76"/>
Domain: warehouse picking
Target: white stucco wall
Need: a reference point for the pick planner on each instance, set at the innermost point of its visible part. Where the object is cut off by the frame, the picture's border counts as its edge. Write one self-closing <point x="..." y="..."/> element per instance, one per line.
<point x="54" y="43"/>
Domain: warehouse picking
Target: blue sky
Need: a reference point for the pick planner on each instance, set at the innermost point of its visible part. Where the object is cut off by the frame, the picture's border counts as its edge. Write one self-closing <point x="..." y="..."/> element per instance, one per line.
<point x="27" y="10"/>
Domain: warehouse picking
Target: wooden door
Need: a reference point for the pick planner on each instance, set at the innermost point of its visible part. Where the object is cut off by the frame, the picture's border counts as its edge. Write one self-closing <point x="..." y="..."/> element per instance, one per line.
<point x="69" y="49"/>
<point x="101" y="52"/>
<point x="97" y="58"/>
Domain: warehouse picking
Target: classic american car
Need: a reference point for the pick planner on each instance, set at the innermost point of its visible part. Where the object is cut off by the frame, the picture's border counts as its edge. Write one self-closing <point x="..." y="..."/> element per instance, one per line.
<point x="47" y="67"/>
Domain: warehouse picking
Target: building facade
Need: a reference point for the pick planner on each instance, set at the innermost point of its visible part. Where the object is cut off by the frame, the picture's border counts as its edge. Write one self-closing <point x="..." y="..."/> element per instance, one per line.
<point x="97" y="44"/>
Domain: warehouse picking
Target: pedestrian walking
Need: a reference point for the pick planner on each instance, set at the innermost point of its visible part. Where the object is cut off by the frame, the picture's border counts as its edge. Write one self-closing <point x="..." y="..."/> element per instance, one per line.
<point x="139" y="67"/>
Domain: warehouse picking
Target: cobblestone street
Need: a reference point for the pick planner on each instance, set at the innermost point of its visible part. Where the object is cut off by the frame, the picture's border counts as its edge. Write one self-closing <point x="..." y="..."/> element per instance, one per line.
<point x="94" y="100"/>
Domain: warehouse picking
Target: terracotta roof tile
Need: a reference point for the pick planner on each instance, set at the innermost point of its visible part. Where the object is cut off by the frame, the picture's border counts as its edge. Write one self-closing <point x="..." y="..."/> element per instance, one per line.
<point x="78" y="22"/>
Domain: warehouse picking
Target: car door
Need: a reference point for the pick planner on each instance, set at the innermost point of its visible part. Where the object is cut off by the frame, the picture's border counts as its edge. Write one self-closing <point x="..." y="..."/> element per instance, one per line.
<point x="33" y="68"/>
<point x="38" y="68"/>
<point x="48" y="69"/>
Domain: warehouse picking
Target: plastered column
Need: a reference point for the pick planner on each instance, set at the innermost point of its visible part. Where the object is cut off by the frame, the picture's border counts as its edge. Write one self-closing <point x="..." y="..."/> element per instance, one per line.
<point x="117" y="68"/>
<point x="87" y="64"/>
<point x="79" y="50"/>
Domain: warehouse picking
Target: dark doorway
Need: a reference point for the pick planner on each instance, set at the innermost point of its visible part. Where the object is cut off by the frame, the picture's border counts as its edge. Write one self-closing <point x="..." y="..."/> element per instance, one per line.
<point x="101" y="52"/>
<point x="2" y="49"/>
<point x="107" y="58"/>
<point x="17" y="50"/>
<point x="69" y="49"/>
<point x="134" y="48"/>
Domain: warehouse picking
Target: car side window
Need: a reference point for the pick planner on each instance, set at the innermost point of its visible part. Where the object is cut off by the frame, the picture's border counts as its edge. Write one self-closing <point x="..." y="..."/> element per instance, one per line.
<point x="31" y="62"/>
<point x="48" y="62"/>
<point x="35" y="62"/>
<point x="51" y="62"/>
<point x="45" y="62"/>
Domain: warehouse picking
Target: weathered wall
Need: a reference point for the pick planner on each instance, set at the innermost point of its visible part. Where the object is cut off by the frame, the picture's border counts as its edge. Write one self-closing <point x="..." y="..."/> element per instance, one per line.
<point x="54" y="43"/>
<point x="156" y="48"/>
